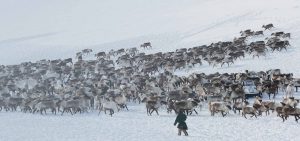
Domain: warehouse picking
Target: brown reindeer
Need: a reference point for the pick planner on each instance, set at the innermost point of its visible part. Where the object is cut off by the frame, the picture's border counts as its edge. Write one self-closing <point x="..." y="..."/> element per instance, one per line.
<point x="215" y="107"/>
<point x="257" y="33"/>
<point x="152" y="104"/>
<point x="248" y="110"/>
<point x="146" y="45"/>
<point x="270" y="105"/>
<point x="237" y="106"/>
<point x="270" y="88"/>
<point x="288" y="110"/>
<point x="259" y="107"/>
<point x="188" y="106"/>
<point x="268" y="26"/>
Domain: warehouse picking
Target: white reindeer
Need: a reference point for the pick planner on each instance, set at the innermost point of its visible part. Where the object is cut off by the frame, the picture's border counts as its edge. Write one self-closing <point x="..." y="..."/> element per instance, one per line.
<point x="108" y="104"/>
<point x="289" y="92"/>
<point x="121" y="101"/>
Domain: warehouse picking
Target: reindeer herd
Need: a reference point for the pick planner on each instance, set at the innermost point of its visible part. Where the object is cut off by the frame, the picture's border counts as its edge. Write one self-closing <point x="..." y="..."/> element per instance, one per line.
<point x="117" y="77"/>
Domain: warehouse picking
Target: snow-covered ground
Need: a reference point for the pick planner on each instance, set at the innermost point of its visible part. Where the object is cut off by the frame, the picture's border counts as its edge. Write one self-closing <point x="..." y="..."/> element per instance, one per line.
<point x="135" y="125"/>
<point x="33" y="30"/>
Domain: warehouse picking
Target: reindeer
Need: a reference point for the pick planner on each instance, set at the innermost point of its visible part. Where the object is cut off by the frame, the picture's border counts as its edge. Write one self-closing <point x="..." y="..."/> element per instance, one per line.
<point x="268" y="26"/>
<point x="237" y="106"/>
<point x="223" y="107"/>
<point x="2" y="104"/>
<point x="278" y="34"/>
<point x="248" y="110"/>
<point x="279" y="45"/>
<point x="71" y="106"/>
<point x="152" y="104"/>
<point x="289" y="92"/>
<point x="270" y="105"/>
<point x="188" y="105"/>
<point x="237" y="93"/>
<point x="146" y="45"/>
<point x="258" y="106"/>
<point x="13" y="102"/>
<point x="100" y="55"/>
<point x="79" y="55"/>
<point x="43" y="105"/>
<point x="121" y="101"/>
<point x="227" y="60"/>
<point x="257" y="33"/>
<point x="87" y="51"/>
<point x="291" y="101"/>
<point x="286" y="35"/>
<point x="108" y="104"/>
<point x="247" y="32"/>
<point x="29" y="105"/>
<point x="288" y="110"/>
<point x="270" y="88"/>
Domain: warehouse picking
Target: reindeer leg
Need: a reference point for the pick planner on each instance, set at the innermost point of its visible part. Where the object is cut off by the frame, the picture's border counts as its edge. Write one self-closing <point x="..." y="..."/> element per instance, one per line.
<point x="69" y="110"/>
<point x="282" y="118"/>
<point x="297" y="117"/>
<point x="33" y="111"/>
<point x="99" y="112"/>
<point x="222" y="113"/>
<point x="53" y="110"/>
<point x="148" y="111"/>
<point x="245" y="115"/>
<point x="111" y="112"/>
<point x="196" y="111"/>
<point x="168" y="110"/>
<point x="63" y="111"/>
<point x="260" y="113"/>
<point x="156" y="112"/>
<point x="153" y="111"/>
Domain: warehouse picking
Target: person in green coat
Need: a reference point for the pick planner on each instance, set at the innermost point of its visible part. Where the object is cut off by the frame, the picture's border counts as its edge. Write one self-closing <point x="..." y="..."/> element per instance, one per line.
<point x="182" y="127"/>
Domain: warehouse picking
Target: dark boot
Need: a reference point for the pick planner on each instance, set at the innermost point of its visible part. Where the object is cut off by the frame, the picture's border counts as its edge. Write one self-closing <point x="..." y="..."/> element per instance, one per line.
<point x="179" y="132"/>
<point x="185" y="133"/>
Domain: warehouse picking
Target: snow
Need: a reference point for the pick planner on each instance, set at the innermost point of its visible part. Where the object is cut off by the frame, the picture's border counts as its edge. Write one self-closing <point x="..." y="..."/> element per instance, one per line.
<point x="33" y="30"/>
<point x="56" y="29"/>
<point x="135" y="125"/>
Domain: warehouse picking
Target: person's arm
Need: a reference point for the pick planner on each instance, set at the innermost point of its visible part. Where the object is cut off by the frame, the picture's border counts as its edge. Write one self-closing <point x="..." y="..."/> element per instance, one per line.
<point x="176" y="120"/>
